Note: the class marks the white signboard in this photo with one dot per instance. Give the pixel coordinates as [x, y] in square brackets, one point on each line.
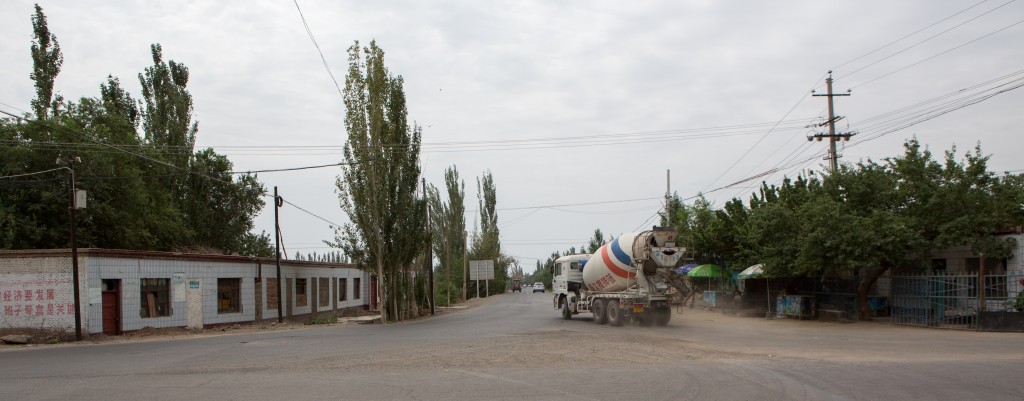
[178, 287]
[481, 270]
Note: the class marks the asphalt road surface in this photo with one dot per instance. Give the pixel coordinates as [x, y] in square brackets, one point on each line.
[516, 346]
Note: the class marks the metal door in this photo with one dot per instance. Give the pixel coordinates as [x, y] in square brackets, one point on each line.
[111, 307]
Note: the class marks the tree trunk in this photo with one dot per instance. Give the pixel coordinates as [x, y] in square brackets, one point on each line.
[381, 298]
[862, 291]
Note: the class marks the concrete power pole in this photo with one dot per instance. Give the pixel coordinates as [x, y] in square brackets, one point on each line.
[832, 136]
[668, 197]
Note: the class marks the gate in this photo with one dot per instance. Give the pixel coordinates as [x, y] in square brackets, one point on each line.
[953, 301]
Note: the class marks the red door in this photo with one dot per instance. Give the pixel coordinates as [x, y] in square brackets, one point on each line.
[112, 307]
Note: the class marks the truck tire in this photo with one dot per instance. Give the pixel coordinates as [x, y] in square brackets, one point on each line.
[614, 313]
[597, 308]
[645, 319]
[566, 313]
[661, 316]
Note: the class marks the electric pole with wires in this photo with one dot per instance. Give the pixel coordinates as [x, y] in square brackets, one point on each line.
[832, 136]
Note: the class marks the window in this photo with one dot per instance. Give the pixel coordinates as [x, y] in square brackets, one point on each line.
[355, 288]
[342, 289]
[323, 292]
[271, 293]
[155, 297]
[300, 292]
[229, 295]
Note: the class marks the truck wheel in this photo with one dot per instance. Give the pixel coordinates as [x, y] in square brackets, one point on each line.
[566, 313]
[614, 313]
[597, 308]
[662, 316]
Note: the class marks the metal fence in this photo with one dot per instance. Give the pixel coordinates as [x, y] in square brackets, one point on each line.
[953, 301]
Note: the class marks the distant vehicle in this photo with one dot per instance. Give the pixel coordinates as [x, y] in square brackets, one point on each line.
[517, 285]
[538, 287]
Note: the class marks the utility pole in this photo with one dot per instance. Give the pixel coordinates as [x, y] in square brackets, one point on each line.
[465, 266]
[832, 136]
[278, 202]
[668, 197]
[72, 205]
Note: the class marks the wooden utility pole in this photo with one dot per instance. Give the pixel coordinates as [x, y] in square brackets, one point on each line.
[278, 201]
[75, 281]
[465, 266]
[832, 136]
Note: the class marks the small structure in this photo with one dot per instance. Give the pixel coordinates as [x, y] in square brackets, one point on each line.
[123, 290]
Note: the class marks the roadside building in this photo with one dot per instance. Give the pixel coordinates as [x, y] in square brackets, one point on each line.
[121, 290]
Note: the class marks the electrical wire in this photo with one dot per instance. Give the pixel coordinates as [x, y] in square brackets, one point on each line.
[907, 36]
[322, 58]
[731, 166]
[333, 224]
[937, 55]
[35, 173]
[847, 75]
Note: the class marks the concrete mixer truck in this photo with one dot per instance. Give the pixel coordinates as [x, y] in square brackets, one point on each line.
[629, 279]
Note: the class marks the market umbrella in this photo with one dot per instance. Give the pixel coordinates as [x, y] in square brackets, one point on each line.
[752, 272]
[684, 269]
[706, 271]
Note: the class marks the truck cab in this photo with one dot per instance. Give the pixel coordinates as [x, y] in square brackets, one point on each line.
[567, 278]
[517, 285]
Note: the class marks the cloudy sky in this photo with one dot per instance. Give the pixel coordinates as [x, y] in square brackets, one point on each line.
[578, 108]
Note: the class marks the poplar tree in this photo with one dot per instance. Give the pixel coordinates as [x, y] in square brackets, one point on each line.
[377, 190]
[46, 62]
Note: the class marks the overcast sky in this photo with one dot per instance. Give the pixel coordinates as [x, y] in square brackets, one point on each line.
[565, 102]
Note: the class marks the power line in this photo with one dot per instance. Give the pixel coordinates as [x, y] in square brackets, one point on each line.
[86, 137]
[28, 174]
[938, 54]
[333, 224]
[907, 36]
[322, 58]
[798, 102]
[572, 204]
[928, 38]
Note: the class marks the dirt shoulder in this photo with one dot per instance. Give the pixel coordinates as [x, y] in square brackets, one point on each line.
[50, 338]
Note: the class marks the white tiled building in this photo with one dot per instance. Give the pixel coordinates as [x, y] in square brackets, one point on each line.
[128, 290]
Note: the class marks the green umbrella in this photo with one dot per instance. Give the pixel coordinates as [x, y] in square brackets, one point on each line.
[706, 271]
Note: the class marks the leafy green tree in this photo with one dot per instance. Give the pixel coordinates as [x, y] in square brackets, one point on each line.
[448, 232]
[596, 241]
[376, 191]
[486, 244]
[134, 203]
[167, 123]
[219, 208]
[46, 62]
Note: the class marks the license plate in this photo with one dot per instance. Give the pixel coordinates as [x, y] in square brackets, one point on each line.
[638, 309]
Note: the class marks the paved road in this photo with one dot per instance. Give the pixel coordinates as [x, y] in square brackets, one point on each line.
[515, 346]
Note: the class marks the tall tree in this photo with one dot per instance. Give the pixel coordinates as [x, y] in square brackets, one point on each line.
[487, 242]
[46, 62]
[448, 226]
[168, 124]
[596, 241]
[377, 190]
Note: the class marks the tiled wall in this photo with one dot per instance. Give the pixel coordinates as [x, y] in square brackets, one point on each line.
[37, 293]
[50, 278]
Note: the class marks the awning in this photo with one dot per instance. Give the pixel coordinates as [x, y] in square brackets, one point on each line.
[706, 271]
[752, 272]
